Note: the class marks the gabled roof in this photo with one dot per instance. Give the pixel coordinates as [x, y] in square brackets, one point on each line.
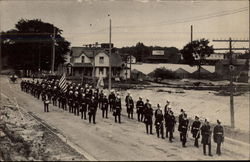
[78, 51]
[202, 70]
[181, 70]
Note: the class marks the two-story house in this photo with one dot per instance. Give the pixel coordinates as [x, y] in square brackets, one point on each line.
[86, 61]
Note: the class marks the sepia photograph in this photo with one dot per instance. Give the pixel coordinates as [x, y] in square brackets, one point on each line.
[124, 80]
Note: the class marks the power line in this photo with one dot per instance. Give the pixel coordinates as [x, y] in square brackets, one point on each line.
[196, 18]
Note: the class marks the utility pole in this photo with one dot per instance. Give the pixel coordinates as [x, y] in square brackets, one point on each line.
[130, 67]
[53, 53]
[231, 68]
[110, 54]
[191, 33]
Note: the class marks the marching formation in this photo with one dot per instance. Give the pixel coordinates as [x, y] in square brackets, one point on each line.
[84, 100]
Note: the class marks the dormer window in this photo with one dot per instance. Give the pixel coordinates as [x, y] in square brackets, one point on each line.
[101, 60]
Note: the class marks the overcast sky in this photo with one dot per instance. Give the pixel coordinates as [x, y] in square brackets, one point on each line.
[153, 22]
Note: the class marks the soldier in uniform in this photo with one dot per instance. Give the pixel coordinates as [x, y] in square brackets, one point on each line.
[54, 96]
[112, 99]
[100, 99]
[167, 117]
[195, 130]
[84, 106]
[104, 105]
[148, 120]
[159, 121]
[183, 130]
[46, 102]
[180, 118]
[117, 109]
[218, 136]
[206, 137]
[139, 107]
[170, 124]
[130, 105]
[76, 103]
[92, 109]
[70, 101]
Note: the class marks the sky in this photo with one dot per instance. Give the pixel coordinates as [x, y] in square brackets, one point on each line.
[153, 22]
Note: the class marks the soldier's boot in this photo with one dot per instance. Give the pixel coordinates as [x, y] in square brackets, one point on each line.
[204, 149]
[147, 128]
[119, 119]
[115, 119]
[209, 149]
[166, 133]
[132, 115]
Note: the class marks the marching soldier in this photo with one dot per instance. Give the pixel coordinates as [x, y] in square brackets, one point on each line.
[84, 106]
[46, 102]
[183, 130]
[117, 109]
[139, 107]
[100, 99]
[130, 105]
[54, 96]
[167, 118]
[170, 124]
[195, 130]
[148, 120]
[181, 116]
[92, 109]
[70, 101]
[112, 99]
[64, 100]
[159, 121]
[218, 136]
[76, 103]
[104, 106]
[206, 137]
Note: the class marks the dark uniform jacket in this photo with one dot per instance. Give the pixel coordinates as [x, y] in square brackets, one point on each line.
[158, 117]
[105, 103]
[118, 107]
[129, 102]
[195, 129]
[184, 125]
[148, 115]
[218, 134]
[139, 106]
[206, 134]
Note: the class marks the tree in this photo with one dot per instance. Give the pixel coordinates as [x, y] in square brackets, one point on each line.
[29, 45]
[194, 53]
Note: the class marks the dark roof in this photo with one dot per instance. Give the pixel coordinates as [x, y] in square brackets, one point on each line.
[77, 51]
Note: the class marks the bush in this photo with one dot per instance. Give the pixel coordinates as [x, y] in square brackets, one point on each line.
[163, 73]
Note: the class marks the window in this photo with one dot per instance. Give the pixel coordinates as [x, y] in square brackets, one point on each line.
[82, 59]
[101, 60]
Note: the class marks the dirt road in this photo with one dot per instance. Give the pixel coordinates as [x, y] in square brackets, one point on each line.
[108, 140]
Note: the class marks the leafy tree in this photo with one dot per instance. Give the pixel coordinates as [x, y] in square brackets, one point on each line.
[195, 52]
[29, 45]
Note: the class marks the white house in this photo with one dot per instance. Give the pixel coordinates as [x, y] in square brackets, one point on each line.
[85, 61]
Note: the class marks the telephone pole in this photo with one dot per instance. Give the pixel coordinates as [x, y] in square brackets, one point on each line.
[231, 68]
[191, 33]
[110, 54]
[53, 53]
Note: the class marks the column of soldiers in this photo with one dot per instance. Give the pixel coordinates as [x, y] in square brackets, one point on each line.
[86, 100]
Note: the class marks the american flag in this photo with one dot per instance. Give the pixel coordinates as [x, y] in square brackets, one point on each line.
[62, 83]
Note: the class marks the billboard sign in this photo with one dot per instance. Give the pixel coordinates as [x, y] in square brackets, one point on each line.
[158, 52]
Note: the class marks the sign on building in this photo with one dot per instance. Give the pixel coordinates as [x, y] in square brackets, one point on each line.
[158, 52]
